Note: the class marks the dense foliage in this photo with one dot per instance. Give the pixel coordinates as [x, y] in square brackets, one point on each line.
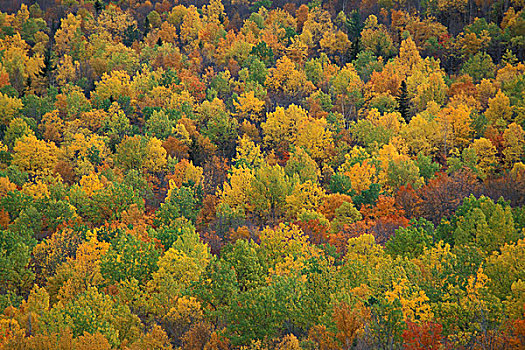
[258, 175]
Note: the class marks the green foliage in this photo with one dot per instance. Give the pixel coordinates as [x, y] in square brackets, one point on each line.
[15, 254]
[481, 222]
[479, 66]
[175, 195]
[129, 257]
[411, 241]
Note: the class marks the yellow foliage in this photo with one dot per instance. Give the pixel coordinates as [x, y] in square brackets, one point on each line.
[177, 270]
[90, 184]
[248, 154]
[81, 272]
[155, 156]
[17, 60]
[486, 153]
[9, 107]
[35, 156]
[408, 55]
[420, 135]
[314, 136]
[499, 110]
[364, 249]
[6, 186]
[235, 191]
[454, 127]
[67, 71]
[286, 248]
[187, 310]
[285, 77]
[306, 195]
[115, 84]
[36, 189]
[185, 172]
[514, 141]
[281, 126]
[248, 106]
[415, 303]
[390, 152]
[361, 175]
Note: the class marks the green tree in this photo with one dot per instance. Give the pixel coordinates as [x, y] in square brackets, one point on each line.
[411, 241]
[129, 257]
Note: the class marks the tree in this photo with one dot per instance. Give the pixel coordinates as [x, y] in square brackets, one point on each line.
[129, 257]
[35, 156]
[479, 66]
[403, 102]
[486, 157]
[314, 136]
[300, 164]
[347, 87]
[426, 335]
[454, 127]
[9, 108]
[249, 107]
[307, 195]
[17, 128]
[281, 126]
[411, 241]
[375, 38]
[267, 192]
[499, 111]
[481, 221]
[286, 78]
[14, 261]
[514, 142]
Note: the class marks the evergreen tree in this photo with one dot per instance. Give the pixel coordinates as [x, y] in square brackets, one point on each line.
[403, 102]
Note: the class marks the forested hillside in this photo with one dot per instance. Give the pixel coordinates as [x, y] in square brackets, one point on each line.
[262, 175]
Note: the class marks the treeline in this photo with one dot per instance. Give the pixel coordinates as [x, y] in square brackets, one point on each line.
[258, 175]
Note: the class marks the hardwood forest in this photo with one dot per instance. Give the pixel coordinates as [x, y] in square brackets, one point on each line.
[258, 175]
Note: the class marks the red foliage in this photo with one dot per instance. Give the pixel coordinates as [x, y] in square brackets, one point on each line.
[440, 197]
[317, 233]
[422, 336]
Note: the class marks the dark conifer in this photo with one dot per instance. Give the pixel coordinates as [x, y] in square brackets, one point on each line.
[403, 102]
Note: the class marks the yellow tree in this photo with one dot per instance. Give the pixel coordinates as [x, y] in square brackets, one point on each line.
[347, 87]
[18, 62]
[375, 38]
[499, 111]
[181, 264]
[285, 248]
[409, 56]
[306, 195]
[286, 78]
[185, 172]
[249, 107]
[69, 38]
[35, 156]
[235, 192]
[249, 154]
[281, 126]
[314, 136]
[113, 85]
[52, 126]
[77, 274]
[454, 127]
[426, 84]
[514, 141]
[420, 135]
[9, 108]
[361, 175]
[155, 156]
[486, 156]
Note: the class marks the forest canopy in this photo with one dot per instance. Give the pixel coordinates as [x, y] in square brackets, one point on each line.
[262, 175]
